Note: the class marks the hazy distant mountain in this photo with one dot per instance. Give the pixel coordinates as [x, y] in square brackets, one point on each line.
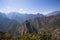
[7, 24]
[22, 17]
[53, 13]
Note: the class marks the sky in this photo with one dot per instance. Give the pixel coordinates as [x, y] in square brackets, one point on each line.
[29, 6]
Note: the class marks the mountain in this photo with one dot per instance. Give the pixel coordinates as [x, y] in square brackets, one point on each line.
[53, 13]
[10, 23]
[22, 17]
[7, 24]
[53, 20]
[16, 16]
[16, 23]
[32, 26]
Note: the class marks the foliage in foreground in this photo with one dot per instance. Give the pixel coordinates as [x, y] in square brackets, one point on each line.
[42, 34]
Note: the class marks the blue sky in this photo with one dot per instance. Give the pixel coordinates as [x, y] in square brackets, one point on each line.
[29, 6]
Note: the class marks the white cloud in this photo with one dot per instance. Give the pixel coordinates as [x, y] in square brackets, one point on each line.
[21, 11]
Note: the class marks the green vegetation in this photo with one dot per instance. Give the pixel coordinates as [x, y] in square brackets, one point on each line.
[43, 34]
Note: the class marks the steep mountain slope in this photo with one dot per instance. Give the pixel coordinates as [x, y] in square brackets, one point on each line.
[54, 20]
[7, 24]
[32, 26]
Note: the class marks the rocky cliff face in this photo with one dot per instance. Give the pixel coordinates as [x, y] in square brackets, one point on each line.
[32, 26]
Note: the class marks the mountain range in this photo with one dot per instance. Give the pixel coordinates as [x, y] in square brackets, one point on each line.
[16, 23]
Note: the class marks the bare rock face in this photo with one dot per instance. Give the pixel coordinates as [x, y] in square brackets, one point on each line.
[31, 26]
[22, 29]
[25, 27]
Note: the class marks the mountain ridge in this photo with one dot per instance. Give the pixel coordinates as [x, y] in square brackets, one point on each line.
[31, 24]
